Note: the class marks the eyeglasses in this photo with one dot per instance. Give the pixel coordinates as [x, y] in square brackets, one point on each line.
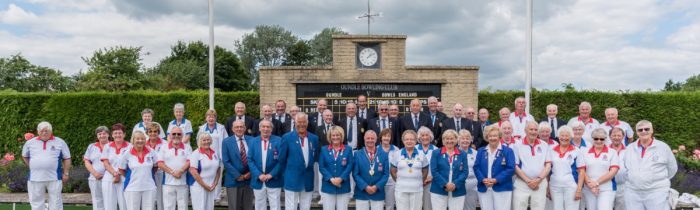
[643, 129]
[598, 139]
[470, 112]
[176, 134]
[383, 109]
[153, 131]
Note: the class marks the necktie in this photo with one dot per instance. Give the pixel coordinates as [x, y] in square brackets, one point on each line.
[244, 156]
[350, 130]
[362, 114]
[415, 121]
[293, 126]
[328, 127]
[459, 127]
[383, 124]
[554, 129]
[432, 117]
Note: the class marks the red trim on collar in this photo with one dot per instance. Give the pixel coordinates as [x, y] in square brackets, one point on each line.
[118, 148]
[551, 141]
[590, 120]
[209, 153]
[532, 148]
[157, 143]
[592, 150]
[142, 157]
[644, 149]
[444, 150]
[98, 145]
[617, 122]
[619, 149]
[537, 141]
[180, 146]
[513, 140]
[557, 149]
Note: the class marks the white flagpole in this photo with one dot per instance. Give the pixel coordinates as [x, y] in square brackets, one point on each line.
[211, 55]
[528, 64]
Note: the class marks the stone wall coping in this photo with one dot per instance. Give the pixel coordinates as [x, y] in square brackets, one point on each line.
[369, 81]
[441, 67]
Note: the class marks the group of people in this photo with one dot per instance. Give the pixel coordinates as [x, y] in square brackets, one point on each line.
[421, 160]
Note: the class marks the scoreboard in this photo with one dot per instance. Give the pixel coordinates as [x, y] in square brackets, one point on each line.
[339, 94]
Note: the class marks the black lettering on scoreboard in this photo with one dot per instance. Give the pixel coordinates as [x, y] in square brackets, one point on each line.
[337, 95]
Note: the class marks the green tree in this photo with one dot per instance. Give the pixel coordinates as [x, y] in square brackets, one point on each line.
[113, 69]
[266, 45]
[17, 73]
[322, 46]
[299, 54]
[692, 83]
[672, 86]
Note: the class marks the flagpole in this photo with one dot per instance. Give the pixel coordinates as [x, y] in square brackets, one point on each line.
[211, 55]
[528, 62]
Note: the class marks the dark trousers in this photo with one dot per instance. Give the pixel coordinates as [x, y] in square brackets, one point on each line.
[240, 198]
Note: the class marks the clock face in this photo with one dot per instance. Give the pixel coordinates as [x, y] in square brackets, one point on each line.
[368, 57]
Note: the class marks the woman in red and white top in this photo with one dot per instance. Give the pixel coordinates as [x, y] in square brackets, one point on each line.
[204, 167]
[155, 143]
[137, 167]
[97, 170]
[568, 172]
[112, 181]
[508, 139]
[601, 166]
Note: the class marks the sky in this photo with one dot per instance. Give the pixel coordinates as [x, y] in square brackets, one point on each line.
[634, 45]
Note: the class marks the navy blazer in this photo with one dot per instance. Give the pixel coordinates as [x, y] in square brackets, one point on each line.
[359, 128]
[277, 129]
[360, 174]
[502, 169]
[440, 168]
[272, 165]
[231, 156]
[298, 175]
[393, 123]
[249, 123]
[330, 167]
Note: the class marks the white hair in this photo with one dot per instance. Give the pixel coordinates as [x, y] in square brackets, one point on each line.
[544, 125]
[585, 103]
[554, 106]
[427, 130]
[576, 124]
[432, 98]
[643, 122]
[565, 129]
[201, 136]
[179, 106]
[44, 125]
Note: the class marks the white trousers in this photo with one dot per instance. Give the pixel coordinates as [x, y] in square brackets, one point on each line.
[523, 196]
[201, 198]
[492, 200]
[301, 199]
[113, 195]
[37, 194]
[369, 204]
[471, 199]
[389, 197]
[409, 200]
[647, 200]
[563, 198]
[443, 202]
[335, 201]
[98, 202]
[427, 205]
[142, 200]
[158, 193]
[604, 201]
[620, 197]
[262, 196]
[175, 196]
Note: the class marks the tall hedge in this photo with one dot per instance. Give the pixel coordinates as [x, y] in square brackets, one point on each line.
[74, 116]
[675, 115]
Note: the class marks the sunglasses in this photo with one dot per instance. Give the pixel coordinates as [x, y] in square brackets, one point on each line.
[598, 139]
[643, 129]
[383, 109]
[176, 134]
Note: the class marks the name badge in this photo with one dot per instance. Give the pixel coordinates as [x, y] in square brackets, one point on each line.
[503, 162]
[344, 162]
[380, 168]
[275, 155]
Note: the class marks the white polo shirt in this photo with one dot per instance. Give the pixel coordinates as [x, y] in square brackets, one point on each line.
[621, 176]
[45, 158]
[140, 127]
[471, 159]
[564, 166]
[113, 153]
[139, 170]
[598, 165]
[519, 122]
[651, 168]
[622, 124]
[409, 177]
[184, 124]
[175, 157]
[427, 153]
[205, 161]
[94, 155]
[588, 126]
[531, 159]
[218, 134]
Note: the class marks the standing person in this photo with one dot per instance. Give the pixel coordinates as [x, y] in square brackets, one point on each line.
[95, 167]
[205, 169]
[435, 119]
[335, 165]
[268, 114]
[449, 167]
[315, 118]
[568, 172]
[503, 115]
[650, 166]
[173, 161]
[388, 147]
[182, 122]
[519, 117]
[413, 120]
[465, 144]
[248, 121]
[554, 122]
[494, 168]
[363, 110]
[578, 140]
[371, 173]
[484, 118]
[584, 116]
[265, 168]
[155, 143]
[532, 167]
[235, 160]
[425, 146]
[617, 136]
[326, 125]
[298, 152]
[612, 121]
[383, 121]
[508, 139]
[409, 168]
[137, 166]
[601, 166]
[281, 116]
[394, 111]
[544, 130]
[353, 126]
[147, 116]
[47, 156]
[216, 130]
[112, 182]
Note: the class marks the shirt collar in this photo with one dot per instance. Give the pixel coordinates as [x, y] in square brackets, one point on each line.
[522, 114]
[444, 150]
[342, 147]
[604, 150]
[208, 152]
[141, 157]
[206, 127]
[179, 146]
[174, 122]
[590, 119]
[617, 122]
[639, 143]
[537, 141]
[557, 149]
[51, 138]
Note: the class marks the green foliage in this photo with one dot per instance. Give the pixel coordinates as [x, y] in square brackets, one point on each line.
[266, 45]
[75, 116]
[113, 69]
[690, 84]
[672, 86]
[322, 46]
[299, 54]
[673, 114]
[17, 73]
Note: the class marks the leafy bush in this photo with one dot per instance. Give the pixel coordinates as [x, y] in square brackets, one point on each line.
[13, 176]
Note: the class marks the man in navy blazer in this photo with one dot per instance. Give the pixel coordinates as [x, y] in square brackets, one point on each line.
[315, 118]
[281, 115]
[408, 121]
[384, 121]
[322, 130]
[353, 126]
[248, 121]
[265, 169]
[298, 153]
[235, 158]
[267, 114]
[554, 121]
[363, 110]
[435, 119]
